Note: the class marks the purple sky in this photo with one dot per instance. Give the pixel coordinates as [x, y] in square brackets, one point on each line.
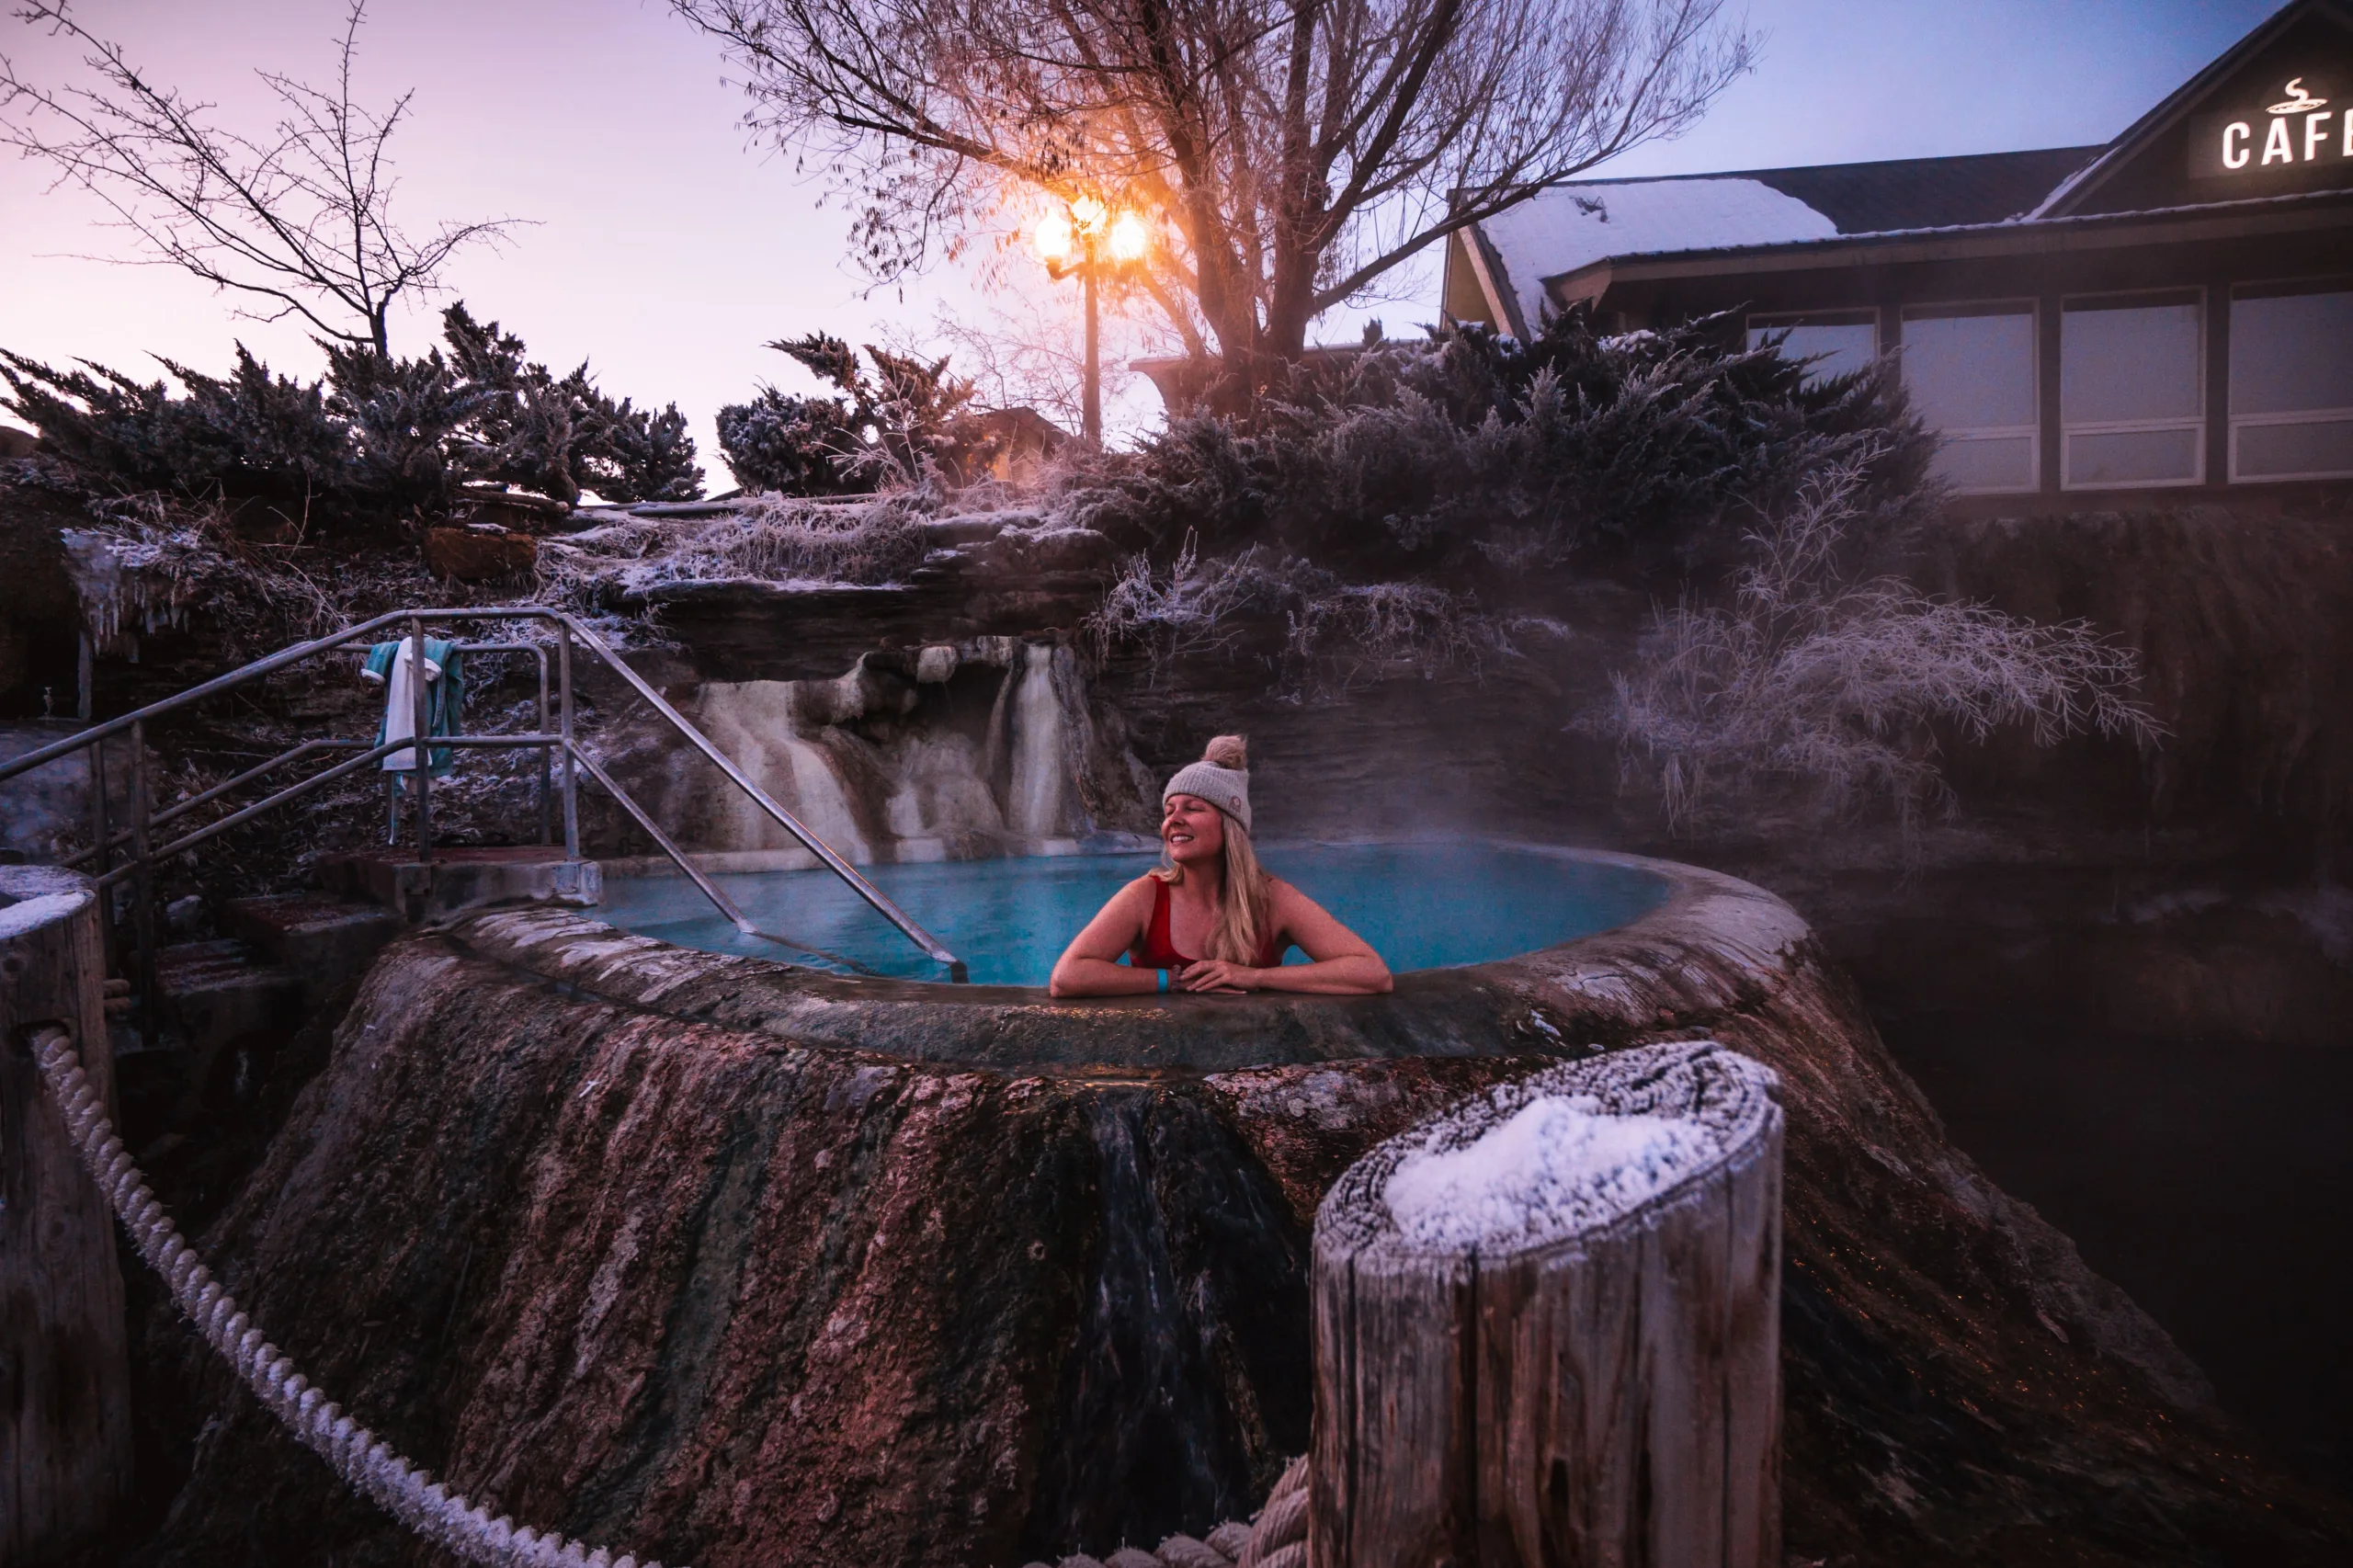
[667, 249]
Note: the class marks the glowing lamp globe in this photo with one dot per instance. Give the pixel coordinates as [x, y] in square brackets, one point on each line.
[1053, 238]
[1129, 239]
[1089, 214]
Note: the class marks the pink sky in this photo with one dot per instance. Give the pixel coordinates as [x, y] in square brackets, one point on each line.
[667, 249]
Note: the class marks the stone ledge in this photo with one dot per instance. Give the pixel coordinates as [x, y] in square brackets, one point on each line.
[457, 881]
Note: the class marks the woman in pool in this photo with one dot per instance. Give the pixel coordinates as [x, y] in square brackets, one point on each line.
[1211, 897]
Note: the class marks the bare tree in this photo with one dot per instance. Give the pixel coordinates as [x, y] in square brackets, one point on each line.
[1028, 352]
[1294, 150]
[296, 223]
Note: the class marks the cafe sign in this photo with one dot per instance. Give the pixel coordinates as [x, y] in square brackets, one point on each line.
[2302, 128]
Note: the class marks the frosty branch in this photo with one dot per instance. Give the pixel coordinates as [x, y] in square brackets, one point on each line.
[1296, 151]
[1812, 676]
[298, 223]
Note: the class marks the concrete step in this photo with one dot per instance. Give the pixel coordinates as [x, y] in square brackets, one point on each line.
[222, 989]
[323, 939]
[459, 879]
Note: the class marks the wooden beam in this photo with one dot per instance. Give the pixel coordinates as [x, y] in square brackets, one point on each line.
[64, 1373]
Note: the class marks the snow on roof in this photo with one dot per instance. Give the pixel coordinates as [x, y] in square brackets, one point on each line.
[1572, 226]
[1560, 1161]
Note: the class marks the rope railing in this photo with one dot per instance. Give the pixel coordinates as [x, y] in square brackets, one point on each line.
[1275, 1538]
[403, 1490]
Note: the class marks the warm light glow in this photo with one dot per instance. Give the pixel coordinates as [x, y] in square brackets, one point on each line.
[1129, 238]
[1053, 238]
[1088, 214]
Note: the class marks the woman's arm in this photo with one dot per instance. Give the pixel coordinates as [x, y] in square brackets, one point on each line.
[1341, 963]
[1090, 966]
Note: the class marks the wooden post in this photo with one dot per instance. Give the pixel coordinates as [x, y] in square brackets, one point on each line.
[1599, 1387]
[64, 1374]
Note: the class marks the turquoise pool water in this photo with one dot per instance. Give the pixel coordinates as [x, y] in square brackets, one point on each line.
[1421, 906]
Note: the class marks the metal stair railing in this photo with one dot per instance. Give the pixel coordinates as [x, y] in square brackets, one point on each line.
[143, 853]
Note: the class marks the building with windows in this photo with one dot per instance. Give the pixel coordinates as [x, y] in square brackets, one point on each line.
[2172, 312]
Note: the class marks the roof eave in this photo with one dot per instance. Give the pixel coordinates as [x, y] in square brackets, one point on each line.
[2271, 214]
[2072, 192]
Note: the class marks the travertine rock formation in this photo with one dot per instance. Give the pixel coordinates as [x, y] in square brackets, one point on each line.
[735, 1264]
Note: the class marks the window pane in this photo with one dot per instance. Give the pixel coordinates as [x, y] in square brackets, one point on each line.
[1836, 348]
[2291, 352]
[1970, 373]
[1999, 463]
[2279, 451]
[2138, 362]
[2132, 457]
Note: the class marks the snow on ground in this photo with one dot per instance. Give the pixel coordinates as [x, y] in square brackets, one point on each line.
[1558, 1163]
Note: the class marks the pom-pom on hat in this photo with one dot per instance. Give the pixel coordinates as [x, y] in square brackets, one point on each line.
[1222, 777]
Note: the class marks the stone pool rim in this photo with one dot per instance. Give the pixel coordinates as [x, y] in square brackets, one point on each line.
[1712, 943]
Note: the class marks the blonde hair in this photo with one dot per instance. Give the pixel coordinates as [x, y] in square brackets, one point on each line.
[1245, 908]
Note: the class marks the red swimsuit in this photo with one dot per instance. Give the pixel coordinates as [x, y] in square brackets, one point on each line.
[1158, 949]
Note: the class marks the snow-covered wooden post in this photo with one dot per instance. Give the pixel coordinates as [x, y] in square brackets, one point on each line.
[1547, 1326]
[64, 1374]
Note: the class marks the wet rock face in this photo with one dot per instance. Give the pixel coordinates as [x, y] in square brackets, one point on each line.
[990, 745]
[658, 1249]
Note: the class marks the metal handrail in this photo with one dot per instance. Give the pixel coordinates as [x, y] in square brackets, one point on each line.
[568, 629]
[307, 748]
[711, 889]
[226, 786]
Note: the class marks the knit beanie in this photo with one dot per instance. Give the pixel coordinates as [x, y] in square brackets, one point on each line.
[1222, 777]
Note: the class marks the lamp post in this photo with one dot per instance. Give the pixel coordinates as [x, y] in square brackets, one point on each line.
[1087, 237]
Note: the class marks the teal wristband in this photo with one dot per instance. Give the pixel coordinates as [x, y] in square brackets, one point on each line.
[1163, 981]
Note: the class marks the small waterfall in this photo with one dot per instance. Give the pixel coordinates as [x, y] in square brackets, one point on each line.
[1038, 800]
[758, 723]
[901, 760]
[819, 801]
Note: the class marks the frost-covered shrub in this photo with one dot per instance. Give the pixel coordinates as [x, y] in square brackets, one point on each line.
[790, 445]
[1817, 676]
[909, 423]
[1473, 449]
[377, 435]
[644, 456]
[560, 435]
[407, 419]
[251, 432]
[1411, 476]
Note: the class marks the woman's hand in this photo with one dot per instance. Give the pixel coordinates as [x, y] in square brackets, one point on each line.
[1216, 974]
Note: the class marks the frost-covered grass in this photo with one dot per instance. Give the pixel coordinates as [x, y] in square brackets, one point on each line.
[1815, 676]
[1337, 631]
[772, 538]
[147, 561]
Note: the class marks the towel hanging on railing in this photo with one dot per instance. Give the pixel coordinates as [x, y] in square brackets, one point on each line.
[445, 696]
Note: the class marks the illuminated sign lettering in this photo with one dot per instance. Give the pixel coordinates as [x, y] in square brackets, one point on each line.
[2299, 129]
